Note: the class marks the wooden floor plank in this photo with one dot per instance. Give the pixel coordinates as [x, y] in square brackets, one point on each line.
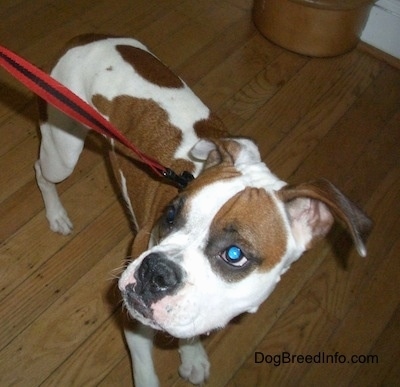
[376, 314]
[68, 324]
[305, 137]
[26, 202]
[221, 47]
[17, 126]
[20, 167]
[356, 131]
[194, 35]
[300, 331]
[388, 349]
[52, 279]
[256, 93]
[45, 19]
[235, 71]
[296, 103]
[36, 233]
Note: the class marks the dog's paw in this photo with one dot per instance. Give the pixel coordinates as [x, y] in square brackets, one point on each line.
[195, 366]
[59, 222]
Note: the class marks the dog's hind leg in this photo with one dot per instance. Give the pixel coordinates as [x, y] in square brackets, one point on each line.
[195, 366]
[140, 344]
[62, 143]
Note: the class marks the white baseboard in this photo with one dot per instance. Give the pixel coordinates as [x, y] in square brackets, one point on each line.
[383, 27]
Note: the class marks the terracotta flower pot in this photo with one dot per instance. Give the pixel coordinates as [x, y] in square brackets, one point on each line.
[312, 27]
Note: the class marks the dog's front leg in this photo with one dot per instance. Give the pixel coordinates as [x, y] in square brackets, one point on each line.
[140, 344]
[61, 145]
[195, 366]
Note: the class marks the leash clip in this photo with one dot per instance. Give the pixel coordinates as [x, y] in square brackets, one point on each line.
[181, 180]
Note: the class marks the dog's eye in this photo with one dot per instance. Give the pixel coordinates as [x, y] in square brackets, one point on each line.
[170, 215]
[234, 256]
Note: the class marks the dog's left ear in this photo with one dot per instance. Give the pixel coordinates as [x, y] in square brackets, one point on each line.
[312, 207]
[231, 151]
[141, 241]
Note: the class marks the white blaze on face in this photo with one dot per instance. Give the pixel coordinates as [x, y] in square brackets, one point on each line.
[209, 300]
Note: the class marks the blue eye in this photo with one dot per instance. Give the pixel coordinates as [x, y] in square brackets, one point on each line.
[170, 215]
[234, 253]
[234, 256]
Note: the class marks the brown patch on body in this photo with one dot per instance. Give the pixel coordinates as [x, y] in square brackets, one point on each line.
[145, 121]
[147, 125]
[149, 67]
[252, 221]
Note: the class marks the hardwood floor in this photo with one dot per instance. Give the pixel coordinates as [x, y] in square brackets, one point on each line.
[337, 118]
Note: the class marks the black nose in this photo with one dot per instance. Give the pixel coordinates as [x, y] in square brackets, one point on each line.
[157, 277]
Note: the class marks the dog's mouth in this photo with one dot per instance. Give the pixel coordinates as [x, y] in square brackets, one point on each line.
[135, 303]
[159, 315]
[140, 307]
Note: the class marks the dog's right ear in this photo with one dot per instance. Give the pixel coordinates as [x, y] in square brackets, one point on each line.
[312, 208]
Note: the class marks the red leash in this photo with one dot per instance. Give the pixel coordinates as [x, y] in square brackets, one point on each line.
[69, 103]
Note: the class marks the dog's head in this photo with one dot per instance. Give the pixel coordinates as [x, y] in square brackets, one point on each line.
[223, 243]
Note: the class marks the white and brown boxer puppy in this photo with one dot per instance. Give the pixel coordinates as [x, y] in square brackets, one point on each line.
[210, 252]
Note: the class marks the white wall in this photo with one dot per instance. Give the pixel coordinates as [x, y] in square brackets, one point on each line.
[383, 27]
